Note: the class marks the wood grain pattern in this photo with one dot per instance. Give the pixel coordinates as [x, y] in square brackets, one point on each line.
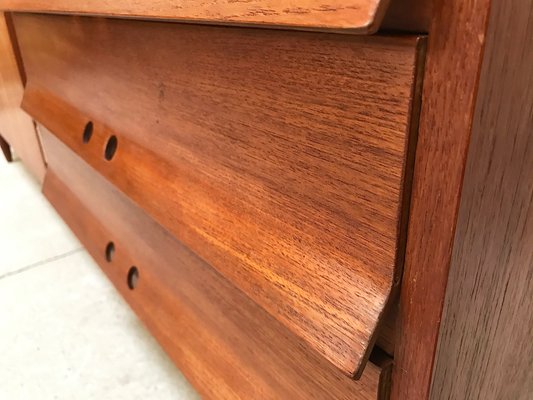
[354, 16]
[16, 127]
[454, 54]
[286, 176]
[226, 345]
[487, 323]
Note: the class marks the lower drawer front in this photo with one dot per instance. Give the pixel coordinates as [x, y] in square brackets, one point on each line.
[226, 345]
[278, 157]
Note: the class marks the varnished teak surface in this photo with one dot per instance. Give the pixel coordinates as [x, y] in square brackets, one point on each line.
[277, 157]
[455, 49]
[359, 16]
[226, 345]
[488, 318]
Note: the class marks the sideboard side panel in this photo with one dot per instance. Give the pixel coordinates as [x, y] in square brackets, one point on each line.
[454, 54]
[485, 347]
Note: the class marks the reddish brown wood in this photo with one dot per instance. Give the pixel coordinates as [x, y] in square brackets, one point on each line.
[355, 16]
[278, 157]
[388, 332]
[16, 127]
[408, 15]
[225, 344]
[455, 48]
[488, 319]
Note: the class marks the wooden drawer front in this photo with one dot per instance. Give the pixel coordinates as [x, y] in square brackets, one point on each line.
[352, 16]
[277, 157]
[227, 346]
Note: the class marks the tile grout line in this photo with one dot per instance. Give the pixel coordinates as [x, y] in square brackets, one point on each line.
[38, 263]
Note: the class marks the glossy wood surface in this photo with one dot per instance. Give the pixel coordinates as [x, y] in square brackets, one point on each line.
[355, 16]
[454, 55]
[226, 345]
[278, 157]
[488, 319]
[16, 127]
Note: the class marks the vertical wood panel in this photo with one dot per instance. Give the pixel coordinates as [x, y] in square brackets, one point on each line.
[486, 340]
[454, 53]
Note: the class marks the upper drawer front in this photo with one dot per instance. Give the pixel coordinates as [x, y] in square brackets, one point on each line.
[277, 157]
[354, 16]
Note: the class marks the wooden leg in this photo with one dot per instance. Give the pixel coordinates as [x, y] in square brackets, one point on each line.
[6, 149]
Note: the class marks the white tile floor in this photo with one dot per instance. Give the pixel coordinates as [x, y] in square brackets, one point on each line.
[65, 333]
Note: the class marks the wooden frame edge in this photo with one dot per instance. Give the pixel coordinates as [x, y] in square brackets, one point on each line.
[454, 57]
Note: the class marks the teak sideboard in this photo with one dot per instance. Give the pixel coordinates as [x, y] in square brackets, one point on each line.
[300, 199]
